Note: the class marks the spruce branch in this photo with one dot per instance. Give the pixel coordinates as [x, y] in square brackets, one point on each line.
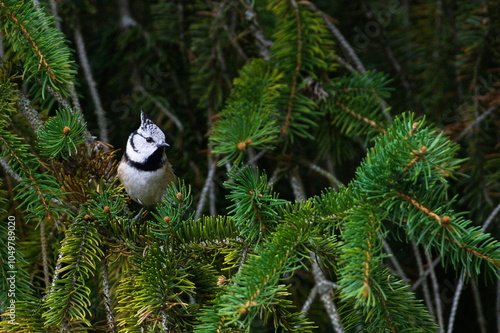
[449, 227]
[352, 101]
[14, 17]
[158, 285]
[256, 291]
[44, 186]
[300, 57]
[44, 51]
[249, 118]
[351, 54]
[341, 39]
[392, 58]
[255, 205]
[76, 109]
[358, 116]
[62, 135]
[298, 67]
[69, 300]
[324, 288]
[460, 285]
[497, 304]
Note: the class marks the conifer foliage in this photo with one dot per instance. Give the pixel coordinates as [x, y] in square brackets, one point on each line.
[307, 193]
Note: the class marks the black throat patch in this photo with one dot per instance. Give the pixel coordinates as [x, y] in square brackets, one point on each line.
[154, 162]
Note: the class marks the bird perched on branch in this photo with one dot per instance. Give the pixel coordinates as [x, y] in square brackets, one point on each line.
[144, 169]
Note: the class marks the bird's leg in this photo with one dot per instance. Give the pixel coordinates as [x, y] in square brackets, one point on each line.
[136, 218]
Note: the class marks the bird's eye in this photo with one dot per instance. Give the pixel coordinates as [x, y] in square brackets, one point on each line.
[149, 139]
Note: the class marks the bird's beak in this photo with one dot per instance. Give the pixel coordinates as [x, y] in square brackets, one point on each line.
[164, 144]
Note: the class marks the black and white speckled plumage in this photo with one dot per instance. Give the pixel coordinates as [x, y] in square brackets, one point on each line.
[144, 169]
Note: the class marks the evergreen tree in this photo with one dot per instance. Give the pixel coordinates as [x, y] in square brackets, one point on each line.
[337, 163]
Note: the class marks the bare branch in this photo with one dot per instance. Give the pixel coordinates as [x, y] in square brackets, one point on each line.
[212, 166]
[102, 122]
[24, 105]
[325, 292]
[107, 296]
[437, 298]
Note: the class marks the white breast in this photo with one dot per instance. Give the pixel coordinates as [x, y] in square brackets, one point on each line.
[145, 187]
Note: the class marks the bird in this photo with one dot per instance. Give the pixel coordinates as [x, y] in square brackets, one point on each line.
[144, 169]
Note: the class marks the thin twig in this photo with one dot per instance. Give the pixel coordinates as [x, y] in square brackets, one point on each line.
[55, 277]
[164, 321]
[45, 260]
[54, 93]
[422, 279]
[126, 19]
[243, 259]
[437, 298]
[297, 184]
[392, 58]
[76, 102]
[310, 299]
[212, 165]
[260, 40]
[490, 218]
[8, 169]
[255, 157]
[481, 320]
[234, 42]
[55, 14]
[459, 288]
[102, 122]
[346, 65]
[456, 299]
[349, 51]
[325, 292]
[274, 177]
[24, 105]
[328, 175]
[394, 260]
[139, 87]
[212, 199]
[107, 296]
[475, 122]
